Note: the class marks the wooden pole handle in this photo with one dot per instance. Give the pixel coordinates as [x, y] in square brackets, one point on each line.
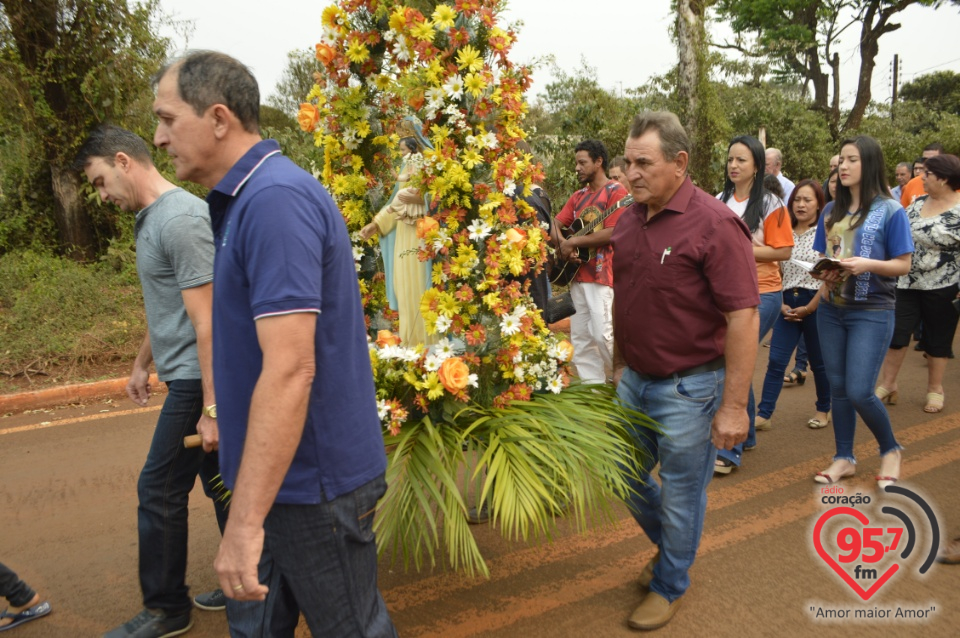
[194, 440]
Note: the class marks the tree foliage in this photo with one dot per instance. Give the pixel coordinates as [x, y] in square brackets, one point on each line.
[66, 66]
[800, 37]
[295, 82]
[939, 91]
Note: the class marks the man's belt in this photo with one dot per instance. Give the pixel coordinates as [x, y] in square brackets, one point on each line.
[710, 366]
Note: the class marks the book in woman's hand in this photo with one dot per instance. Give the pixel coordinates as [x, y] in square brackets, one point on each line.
[821, 266]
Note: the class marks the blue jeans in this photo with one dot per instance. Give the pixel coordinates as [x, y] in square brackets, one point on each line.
[853, 342]
[324, 564]
[800, 363]
[786, 334]
[671, 514]
[768, 310]
[168, 476]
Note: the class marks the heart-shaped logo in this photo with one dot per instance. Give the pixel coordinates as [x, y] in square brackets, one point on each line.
[865, 594]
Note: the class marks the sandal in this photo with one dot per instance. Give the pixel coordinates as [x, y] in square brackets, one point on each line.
[37, 611]
[934, 403]
[891, 396]
[723, 466]
[816, 424]
[796, 376]
[891, 477]
[826, 478]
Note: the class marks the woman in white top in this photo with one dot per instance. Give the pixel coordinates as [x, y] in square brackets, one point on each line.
[797, 317]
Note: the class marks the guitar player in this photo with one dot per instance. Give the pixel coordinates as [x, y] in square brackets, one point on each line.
[591, 328]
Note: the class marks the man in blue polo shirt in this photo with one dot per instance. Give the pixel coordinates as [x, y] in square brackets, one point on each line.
[300, 440]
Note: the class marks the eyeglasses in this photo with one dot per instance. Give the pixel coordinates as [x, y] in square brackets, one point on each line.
[928, 172]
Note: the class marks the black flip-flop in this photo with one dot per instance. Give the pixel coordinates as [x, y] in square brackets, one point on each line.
[37, 611]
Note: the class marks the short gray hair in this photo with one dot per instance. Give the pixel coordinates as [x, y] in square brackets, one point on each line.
[673, 137]
[777, 155]
[906, 165]
[205, 78]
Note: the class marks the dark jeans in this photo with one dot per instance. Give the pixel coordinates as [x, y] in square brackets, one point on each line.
[168, 476]
[934, 308]
[800, 363]
[324, 564]
[786, 334]
[17, 592]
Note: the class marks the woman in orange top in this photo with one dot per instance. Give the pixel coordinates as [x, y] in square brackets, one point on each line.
[768, 221]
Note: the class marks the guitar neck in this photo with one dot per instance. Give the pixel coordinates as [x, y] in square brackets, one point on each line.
[586, 230]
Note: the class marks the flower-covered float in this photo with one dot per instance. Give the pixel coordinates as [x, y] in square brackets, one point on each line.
[419, 110]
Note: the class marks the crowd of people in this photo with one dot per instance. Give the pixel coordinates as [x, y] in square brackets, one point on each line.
[831, 268]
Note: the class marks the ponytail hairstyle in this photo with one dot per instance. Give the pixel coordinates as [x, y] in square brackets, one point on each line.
[755, 205]
[873, 182]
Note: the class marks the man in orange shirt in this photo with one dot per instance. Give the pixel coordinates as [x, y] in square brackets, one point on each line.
[914, 188]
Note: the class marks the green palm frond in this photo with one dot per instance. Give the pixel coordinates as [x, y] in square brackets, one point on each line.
[529, 461]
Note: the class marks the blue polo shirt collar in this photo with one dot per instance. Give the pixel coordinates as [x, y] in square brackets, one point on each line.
[246, 166]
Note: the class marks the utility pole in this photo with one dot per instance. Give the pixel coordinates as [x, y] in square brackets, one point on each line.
[896, 76]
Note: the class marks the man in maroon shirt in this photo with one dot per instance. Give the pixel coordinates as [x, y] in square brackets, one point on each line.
[685, 344]
[591, 328]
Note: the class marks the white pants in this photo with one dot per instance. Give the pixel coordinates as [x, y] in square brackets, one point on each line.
[591, 331]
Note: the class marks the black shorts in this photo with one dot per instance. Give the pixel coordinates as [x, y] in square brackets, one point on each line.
[939, 316]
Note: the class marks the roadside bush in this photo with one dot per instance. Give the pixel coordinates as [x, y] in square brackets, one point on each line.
[54, 311]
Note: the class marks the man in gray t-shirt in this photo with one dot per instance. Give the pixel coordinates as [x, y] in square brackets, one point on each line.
[175, 264]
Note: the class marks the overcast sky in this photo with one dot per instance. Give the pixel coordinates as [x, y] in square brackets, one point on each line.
[627, 42]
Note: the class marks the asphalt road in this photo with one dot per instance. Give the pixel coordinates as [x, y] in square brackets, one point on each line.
[68, 526]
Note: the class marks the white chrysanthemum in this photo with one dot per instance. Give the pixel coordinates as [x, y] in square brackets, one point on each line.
[357, 253]
[354, 82]
[490, 140]
[474, 380]
[383, 410]
[443, 349]
[519, 373]
[443, 238]
[436, 94]
[442, 324]
[454, 87]
[432, 363]
[555, 385]
[509, 325]
[408, 355]
[509, 188]
[479, 229]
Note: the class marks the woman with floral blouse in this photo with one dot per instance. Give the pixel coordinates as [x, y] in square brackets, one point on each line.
[926, 293]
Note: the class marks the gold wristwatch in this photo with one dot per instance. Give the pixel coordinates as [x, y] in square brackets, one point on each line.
[210, 411]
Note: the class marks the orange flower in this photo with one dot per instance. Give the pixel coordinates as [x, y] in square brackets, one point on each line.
[325, 53]
[308, 117]
[565, 348]
[517, 236]
[387, 338]
[425, 225]
[454, 374]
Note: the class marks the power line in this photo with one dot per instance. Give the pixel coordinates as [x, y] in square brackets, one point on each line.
[935, 66]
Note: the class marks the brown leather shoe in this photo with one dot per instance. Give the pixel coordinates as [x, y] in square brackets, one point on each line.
[654, 612]
[646, 576]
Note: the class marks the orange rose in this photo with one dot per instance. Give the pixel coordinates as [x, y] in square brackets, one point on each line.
[454, 374]
[308, 117]
[387, 338]
[565, 348]
[325, 53]
[517, 236]
[425, 225]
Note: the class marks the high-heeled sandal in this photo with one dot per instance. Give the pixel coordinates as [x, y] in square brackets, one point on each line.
[796, 376]
[934, 403]
[826, 479]
[886, 396]
[891, 477]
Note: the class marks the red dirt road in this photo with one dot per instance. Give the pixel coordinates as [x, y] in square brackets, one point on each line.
[68, 526]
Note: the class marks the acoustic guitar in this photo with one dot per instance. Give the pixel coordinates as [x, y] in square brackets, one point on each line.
[563, 271]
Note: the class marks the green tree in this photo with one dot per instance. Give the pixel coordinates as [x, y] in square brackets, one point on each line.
[65, 66]
[801, 36]
[295, 82]
[574, 107]
[939, 91]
